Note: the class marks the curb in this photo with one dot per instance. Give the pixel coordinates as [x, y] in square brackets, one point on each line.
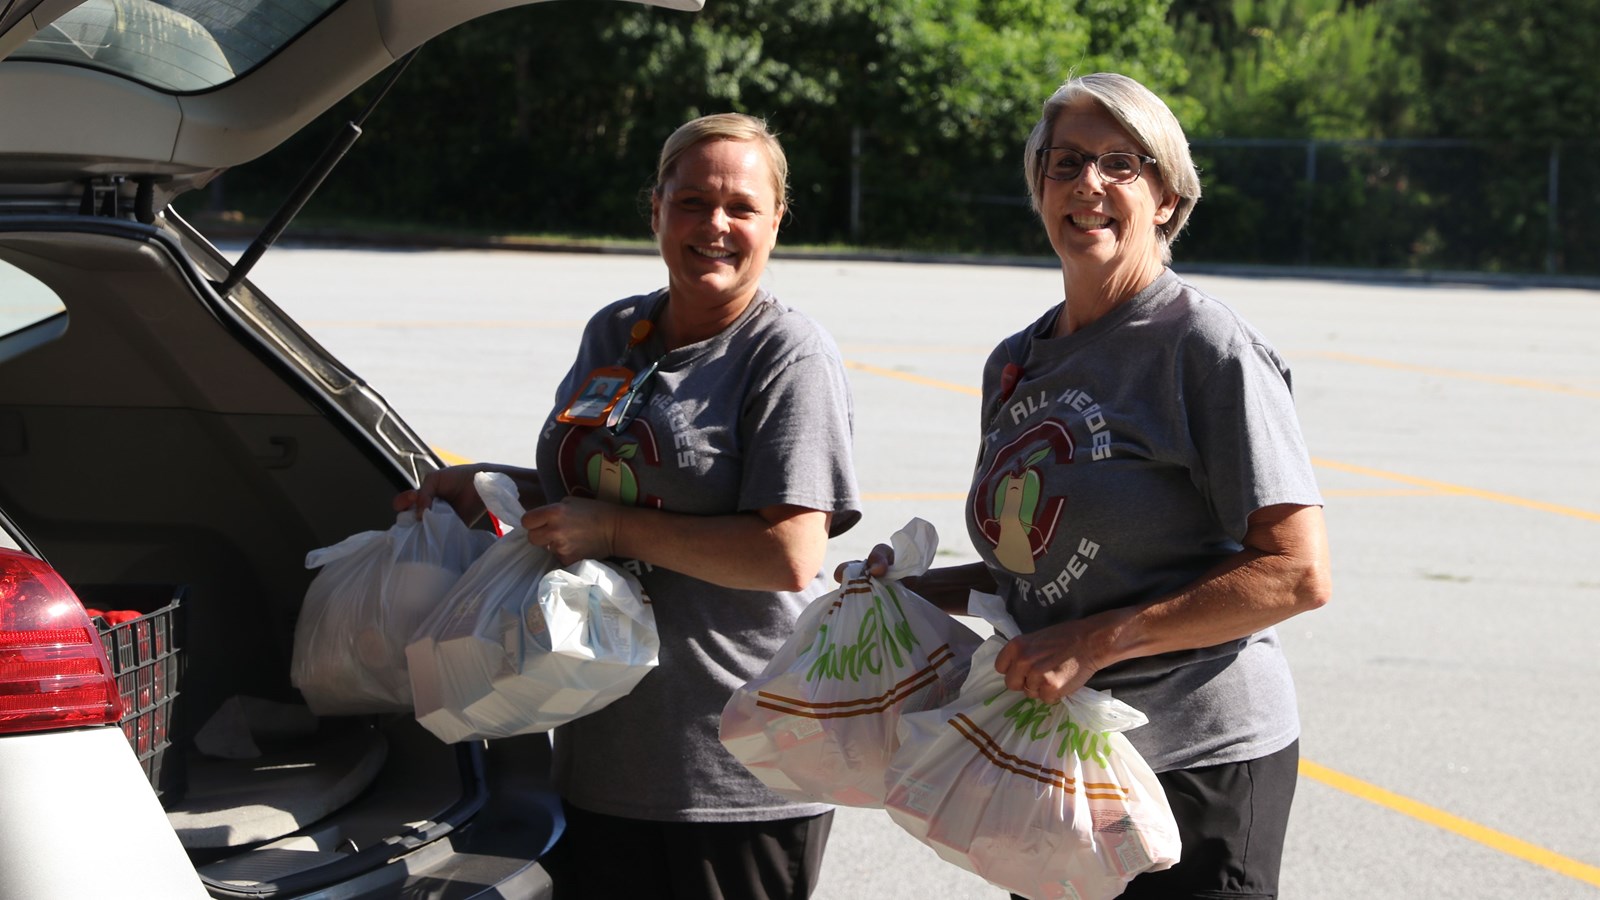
[335, 237]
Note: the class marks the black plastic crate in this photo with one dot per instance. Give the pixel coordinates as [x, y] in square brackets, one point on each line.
[145, 658]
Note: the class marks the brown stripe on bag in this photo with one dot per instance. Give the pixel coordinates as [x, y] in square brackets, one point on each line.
[940, 655]
[849, 590]
[885, 703]
[991, 751]
[1097, 790]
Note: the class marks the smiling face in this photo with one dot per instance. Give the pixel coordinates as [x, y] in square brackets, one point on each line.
[716, 220]
[1109, 229]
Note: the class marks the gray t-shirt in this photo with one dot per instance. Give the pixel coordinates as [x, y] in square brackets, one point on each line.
[1126, 461]
[756, 416]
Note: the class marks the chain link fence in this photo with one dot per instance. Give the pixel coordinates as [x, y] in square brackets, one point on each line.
[1439, 205]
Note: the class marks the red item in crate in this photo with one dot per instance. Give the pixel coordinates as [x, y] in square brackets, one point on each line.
[143, 653]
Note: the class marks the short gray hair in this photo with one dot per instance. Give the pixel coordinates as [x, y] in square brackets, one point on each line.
[725, 127]
[1143, 115]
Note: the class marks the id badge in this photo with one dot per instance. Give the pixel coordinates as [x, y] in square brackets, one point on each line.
[593, 401]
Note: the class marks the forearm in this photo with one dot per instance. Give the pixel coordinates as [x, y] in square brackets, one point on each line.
[1258, 587]
[1249, 593]
[948, 587]
[529, 489]
[455, 486]
[778, 549]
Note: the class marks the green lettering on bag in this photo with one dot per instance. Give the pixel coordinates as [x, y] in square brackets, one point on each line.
[1083, 742]
[902, 636]
[1030, 716]
[881, 635]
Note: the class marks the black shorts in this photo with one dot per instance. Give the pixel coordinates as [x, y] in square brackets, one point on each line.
[1232, 819]
[600, 857]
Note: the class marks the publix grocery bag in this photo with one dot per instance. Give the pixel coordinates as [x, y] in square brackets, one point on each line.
[1045, 800]
[521, 645]
[373, 590]
[819, 723]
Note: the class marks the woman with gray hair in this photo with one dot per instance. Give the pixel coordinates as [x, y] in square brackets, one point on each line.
[1143, 498]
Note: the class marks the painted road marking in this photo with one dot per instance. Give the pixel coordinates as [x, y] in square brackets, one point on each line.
[1472, 831]
[1441, 487]
[1381, 492]
[1507, 381]
[914, 379]
[981, 351]
[1460, 490]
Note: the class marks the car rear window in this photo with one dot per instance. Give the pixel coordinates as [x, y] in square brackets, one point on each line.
[24, 301]
[181, 46]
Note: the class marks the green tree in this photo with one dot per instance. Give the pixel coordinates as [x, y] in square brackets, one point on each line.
[948, 102]
[548, 118]
[1300, 68]
[1519, 77]
[1507, 70]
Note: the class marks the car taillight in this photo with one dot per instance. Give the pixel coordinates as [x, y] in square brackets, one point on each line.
[53, 669]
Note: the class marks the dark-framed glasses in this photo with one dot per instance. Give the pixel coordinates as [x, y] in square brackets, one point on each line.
[627, 407]
[1066, 164]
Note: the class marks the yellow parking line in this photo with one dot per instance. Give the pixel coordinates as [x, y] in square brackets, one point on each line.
[450, 459]
[1460, 490]
[914, 379]
[1472, 831]
[1529, 383]
[1428, 484]
[1381, 492]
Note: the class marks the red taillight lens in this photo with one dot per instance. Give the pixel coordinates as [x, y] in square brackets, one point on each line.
[53, 669]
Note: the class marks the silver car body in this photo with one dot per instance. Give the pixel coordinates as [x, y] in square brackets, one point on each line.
[154, 429]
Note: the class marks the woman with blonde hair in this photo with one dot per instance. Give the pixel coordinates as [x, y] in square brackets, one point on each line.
[702, 440]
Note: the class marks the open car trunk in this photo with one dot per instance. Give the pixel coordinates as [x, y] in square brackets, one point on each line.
[158, 441]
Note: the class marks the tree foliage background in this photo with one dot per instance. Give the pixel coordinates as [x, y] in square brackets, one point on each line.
[1432, 125]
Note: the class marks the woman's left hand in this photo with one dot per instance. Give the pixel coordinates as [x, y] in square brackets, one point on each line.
[1050, 663]
[574, 529]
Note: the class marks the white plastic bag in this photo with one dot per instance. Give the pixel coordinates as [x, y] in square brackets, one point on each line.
[520, 646]
[819, 723]
[374, 589]
[1045, 800]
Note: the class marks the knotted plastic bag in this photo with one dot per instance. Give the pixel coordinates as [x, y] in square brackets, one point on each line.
[1045, 800]
[373, 590]
[520, 645]
[819, 723]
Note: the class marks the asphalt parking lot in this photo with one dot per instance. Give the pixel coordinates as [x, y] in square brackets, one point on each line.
[1446, 692]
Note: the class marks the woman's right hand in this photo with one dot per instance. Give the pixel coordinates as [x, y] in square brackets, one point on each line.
[876, 564]
[453, 485]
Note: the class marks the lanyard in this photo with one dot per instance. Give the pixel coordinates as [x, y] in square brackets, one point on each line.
[610, 394]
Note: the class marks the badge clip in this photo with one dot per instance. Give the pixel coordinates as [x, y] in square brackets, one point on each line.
[599, 393]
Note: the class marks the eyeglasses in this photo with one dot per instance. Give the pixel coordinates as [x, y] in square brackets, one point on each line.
[1063, 164]
[627, 407]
